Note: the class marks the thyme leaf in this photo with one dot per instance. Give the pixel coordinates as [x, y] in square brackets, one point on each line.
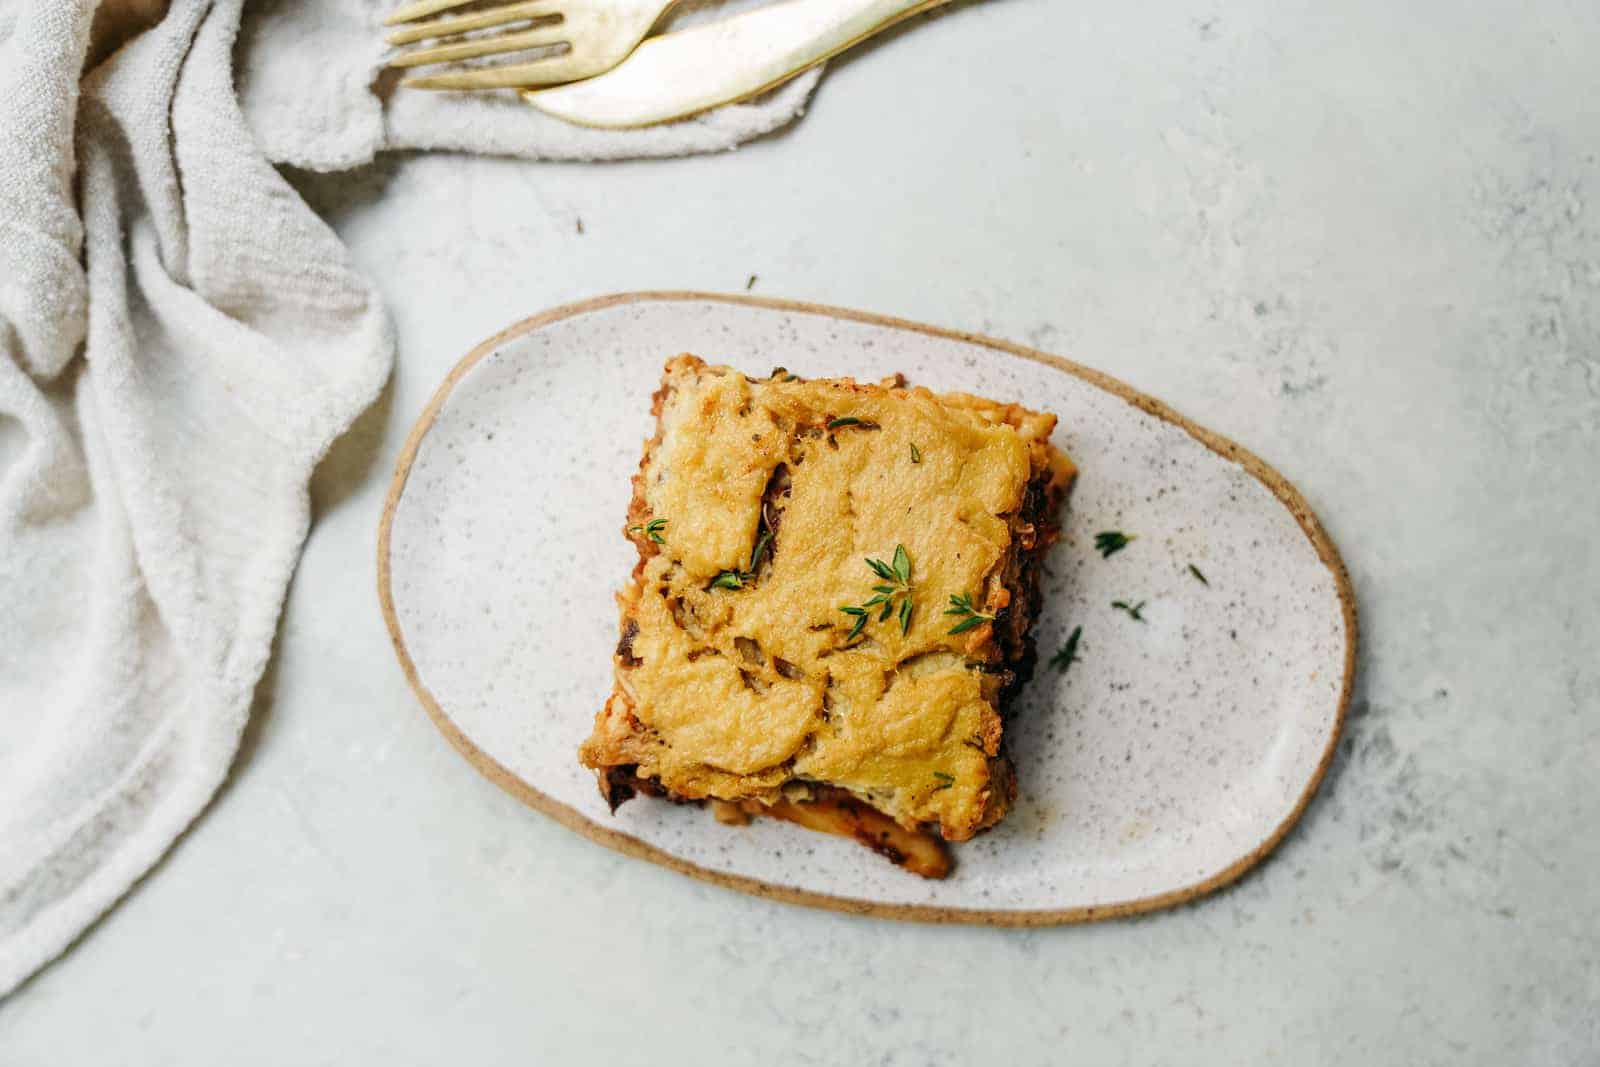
[1109, 542]
[1132, 609]
[1067, 654]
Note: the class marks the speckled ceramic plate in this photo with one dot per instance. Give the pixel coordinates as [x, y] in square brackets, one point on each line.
[1166, 762]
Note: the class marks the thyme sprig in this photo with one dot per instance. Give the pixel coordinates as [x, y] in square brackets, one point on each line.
[892, 596]
[736, 579]
[651, 529]
[961, 605]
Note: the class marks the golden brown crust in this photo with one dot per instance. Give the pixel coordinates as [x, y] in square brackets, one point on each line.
[751, 690]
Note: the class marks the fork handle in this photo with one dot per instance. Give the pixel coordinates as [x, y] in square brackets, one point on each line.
[680, 74]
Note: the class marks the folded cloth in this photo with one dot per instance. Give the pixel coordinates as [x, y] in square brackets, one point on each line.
[178, 347]
[313, 89]
[180, 343]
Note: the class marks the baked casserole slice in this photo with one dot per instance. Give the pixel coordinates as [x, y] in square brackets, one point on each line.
[832, 602]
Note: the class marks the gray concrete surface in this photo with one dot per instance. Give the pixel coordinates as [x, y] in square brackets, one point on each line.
[1362, 239]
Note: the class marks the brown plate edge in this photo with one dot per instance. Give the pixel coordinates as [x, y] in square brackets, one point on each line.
[569, 817]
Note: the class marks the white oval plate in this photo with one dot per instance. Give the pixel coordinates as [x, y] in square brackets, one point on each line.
[1166, 762]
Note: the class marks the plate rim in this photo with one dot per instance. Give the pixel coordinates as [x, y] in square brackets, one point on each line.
[1282, 489]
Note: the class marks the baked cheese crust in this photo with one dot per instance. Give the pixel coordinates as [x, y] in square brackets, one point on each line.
[755, 510]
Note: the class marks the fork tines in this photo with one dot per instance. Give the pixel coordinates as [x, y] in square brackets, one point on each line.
[543, 11]
[573, 38]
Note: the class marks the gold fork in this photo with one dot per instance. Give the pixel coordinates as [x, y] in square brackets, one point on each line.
[598, 34]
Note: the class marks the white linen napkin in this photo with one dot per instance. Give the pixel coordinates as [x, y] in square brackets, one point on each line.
[181, 339]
